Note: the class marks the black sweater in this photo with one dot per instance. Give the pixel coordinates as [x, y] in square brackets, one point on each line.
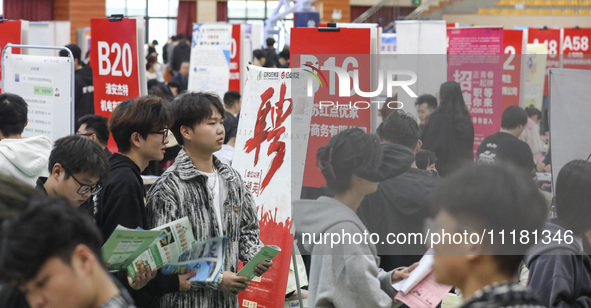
[121, 202]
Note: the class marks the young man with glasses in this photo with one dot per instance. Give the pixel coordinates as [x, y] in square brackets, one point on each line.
[140, 130]
[94, 127]
[76, 168]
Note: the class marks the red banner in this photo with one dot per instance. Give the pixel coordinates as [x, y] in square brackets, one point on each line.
[235, 59]
[575, 47]
[333, 112]
[10, 32]
[475, 62]
[115, 65]
[513, 49]
[552, 38]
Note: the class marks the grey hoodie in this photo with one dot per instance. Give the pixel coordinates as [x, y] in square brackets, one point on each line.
[25, 159]
[346, 275]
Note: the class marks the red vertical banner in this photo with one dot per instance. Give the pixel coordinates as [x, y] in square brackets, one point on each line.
[321, 54]
[235, 58]
[10, 32]
[513, 47]
[115, 64]
[575, 48]
[552, 38]
[475, 62]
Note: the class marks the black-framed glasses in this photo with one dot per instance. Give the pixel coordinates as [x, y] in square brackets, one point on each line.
[85, 134]
[85, 188]
[164, 134]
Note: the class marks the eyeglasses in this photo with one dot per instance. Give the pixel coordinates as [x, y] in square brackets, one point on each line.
[86, 134]
[85, 188]
[164, 134]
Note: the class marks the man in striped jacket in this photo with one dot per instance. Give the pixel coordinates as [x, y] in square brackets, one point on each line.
[212, 195]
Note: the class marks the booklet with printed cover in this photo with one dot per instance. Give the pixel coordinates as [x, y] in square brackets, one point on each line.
[266, 253]
[206, 258]
[124, 245]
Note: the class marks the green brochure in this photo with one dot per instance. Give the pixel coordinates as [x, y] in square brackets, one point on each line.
[266, 253]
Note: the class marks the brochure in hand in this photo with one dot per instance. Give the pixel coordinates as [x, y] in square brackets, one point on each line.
[266, 253]
[206, 257]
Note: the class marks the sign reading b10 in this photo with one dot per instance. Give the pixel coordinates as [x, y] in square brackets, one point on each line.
[115, 62]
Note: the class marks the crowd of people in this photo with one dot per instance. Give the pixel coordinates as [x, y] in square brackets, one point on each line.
[60, 202]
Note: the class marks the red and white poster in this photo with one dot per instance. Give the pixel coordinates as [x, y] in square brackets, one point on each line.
[475, 62]
[270, 148]
[575, 48]
[10, 32]
[337, 106]
[235, 58]
[552, 37]
[513, 48]
[115, 64]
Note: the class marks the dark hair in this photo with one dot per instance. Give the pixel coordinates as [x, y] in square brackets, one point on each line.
[13, 114]
[258, 54]
[98, 124]
[76, 52]
[512, 117]
[428, 99]
[532, 111]
[79, 155]
[193, 108]
[452, 104]
[230, 127]
[150, 60]
[399, 128]
[143, 115]
[49, 227]
[349, 152]
[230, 98]
[14, 196]
[425, 158]
[155, 42]
[284, 54]
[573, 196]
[180, 37]
[270, 41]
[494, 196]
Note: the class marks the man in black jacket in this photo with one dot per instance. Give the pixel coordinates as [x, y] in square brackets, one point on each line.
[140, 130]
[84, 87]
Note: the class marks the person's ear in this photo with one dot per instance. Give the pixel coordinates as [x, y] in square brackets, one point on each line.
[418, 146]
[94, 138]
[27, 122]
[83, 260]
[186, 132]
[57, 170]
[136, 139]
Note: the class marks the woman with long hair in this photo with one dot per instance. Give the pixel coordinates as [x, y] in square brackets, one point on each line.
[449, 132]
[345, 272]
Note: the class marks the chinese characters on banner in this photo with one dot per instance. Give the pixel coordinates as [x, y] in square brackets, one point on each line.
[552, 37]
[114, 59]
[270, 150]
[10, 32]
[348, 49]
[513, 49]
[575, 47]
[475, 62]
[235, 58]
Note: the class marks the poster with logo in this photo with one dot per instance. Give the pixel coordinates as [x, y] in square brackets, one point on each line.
[513, 48]
[475, 61]
[535, 72]
[116, 70]
[270, 154]
[552, 38]
[575, 48]
[333, 58]
[14, 32]
[210, 58]
[45, 82]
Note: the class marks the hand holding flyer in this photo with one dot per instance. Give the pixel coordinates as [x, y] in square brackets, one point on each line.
[266, 253]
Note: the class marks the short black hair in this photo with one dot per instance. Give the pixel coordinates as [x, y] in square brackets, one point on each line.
[98, 124]
[180, 36]
[284, 54]
[258, 54]
[230, 98]
[13, 114]
[532, 111]
[399, 128]
[494, 196]
[270, 41]
[193, 108]
[76, 52]
[143, 115]
[79, 155]
[512, 117]
[49, 227]
[425, 158]
[573, 196]
[230, 127]
[428, 99]
[14, 196]
[347, 153]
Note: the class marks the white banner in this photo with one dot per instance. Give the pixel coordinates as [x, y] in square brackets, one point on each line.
[45, 83]
[210, 58]
[569, 117]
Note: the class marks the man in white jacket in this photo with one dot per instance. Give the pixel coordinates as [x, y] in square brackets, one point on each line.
[25, 159]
